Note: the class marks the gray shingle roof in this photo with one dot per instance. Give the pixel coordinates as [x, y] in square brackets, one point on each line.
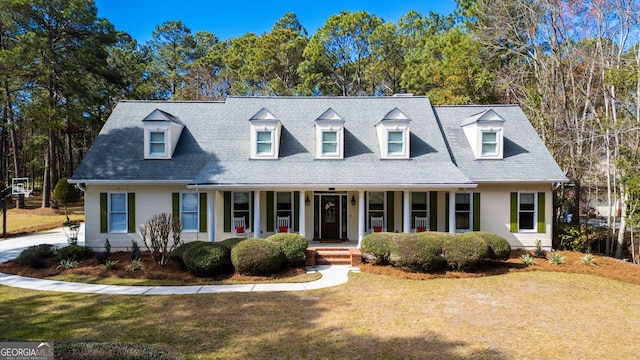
[214, 147]
[525, 156]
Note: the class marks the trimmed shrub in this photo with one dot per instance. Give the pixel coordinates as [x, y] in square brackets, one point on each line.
[257, 257]
[177, 254]
[205, 259]
[75, 252]
[376, 247]
[418, 253]
[293, 247]
[499, 248]
[465, 251]
[232, 242]
[42, 251]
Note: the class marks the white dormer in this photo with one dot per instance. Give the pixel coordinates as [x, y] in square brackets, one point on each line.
[161, 134]
[484, 132]
[393, 135]
[330, 136]
[265, 135]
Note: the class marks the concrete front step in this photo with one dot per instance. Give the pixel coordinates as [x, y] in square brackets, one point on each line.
[333, 256]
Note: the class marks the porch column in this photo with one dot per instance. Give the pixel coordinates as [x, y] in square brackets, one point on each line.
[361, 217]
[256, 214]
[211, 218]
[302, 217]
[452, 211]
[406, 210]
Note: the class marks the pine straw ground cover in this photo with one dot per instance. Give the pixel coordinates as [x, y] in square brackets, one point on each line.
[518, 314]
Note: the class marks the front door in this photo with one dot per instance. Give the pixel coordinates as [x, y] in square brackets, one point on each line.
[330, 217]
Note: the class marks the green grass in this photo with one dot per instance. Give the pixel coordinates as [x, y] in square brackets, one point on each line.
[518, 315]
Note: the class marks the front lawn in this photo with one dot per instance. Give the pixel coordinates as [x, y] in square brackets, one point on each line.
[517, 315]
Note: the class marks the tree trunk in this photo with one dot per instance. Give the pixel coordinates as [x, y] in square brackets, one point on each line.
[46, 180]
[623, 222]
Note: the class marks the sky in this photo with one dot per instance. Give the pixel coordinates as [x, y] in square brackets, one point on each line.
[232, 18]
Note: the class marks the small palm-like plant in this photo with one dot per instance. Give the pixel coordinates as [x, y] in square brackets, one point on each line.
[134, 265]
[588, 259]
[556, 258]
[110, 264]
[527, 259]
[67, 264]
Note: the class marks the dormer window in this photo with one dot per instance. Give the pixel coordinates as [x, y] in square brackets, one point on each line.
[161, 134]
[393, 135]
[489, 143]
[265, 135]
[330, 135]
[395, 143]
[264, 143]
[157, 143]
[484, 132]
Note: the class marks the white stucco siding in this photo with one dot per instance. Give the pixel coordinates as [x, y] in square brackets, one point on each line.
[149, 200]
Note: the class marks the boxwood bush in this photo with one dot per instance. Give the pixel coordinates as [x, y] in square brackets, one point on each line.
[376, 247]
[499, 248]
[465, 251]
[257, 257]
[177, 253]
[41, 252]
[205, 259]
[75, 252]
[232, 242]
[418, 253]
[293, 247]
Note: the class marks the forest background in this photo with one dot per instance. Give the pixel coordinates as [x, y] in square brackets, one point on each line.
[573, 66]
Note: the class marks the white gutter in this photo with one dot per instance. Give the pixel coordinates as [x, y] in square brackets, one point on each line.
[129, 182]
[332, 187]
[530, 181]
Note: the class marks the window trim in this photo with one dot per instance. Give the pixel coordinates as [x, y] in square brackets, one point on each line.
[402, 142]
[428, 204]
[337, 143]
[470, 212]
[275, 206]
[150, 142]
[269, 154]
[248, 223]
[110, 211]
[534, 228]
[197, 211]
[368, 207]
[496, 143]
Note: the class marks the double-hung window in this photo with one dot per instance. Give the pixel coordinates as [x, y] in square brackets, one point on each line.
[395, 142]
[418, 206]
[157, 143]
[527, 211]
[284, 205]
[242, 207]
[489, 143]
[330, 143]
[189, 211]
[463, 208]
[117, 212]
[375, 205]
[264, 143]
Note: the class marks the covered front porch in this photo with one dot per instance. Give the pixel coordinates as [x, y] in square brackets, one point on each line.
[336, 217]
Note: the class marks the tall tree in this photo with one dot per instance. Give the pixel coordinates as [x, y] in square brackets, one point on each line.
[66, 43]
[339, 54]
[172, 44]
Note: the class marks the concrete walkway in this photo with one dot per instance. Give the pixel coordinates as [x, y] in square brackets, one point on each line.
[10, 249]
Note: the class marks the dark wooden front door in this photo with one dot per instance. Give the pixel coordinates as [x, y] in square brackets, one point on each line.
[330, 217]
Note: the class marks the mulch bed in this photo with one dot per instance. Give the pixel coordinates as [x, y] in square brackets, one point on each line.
[605, 267]
[152, 271]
